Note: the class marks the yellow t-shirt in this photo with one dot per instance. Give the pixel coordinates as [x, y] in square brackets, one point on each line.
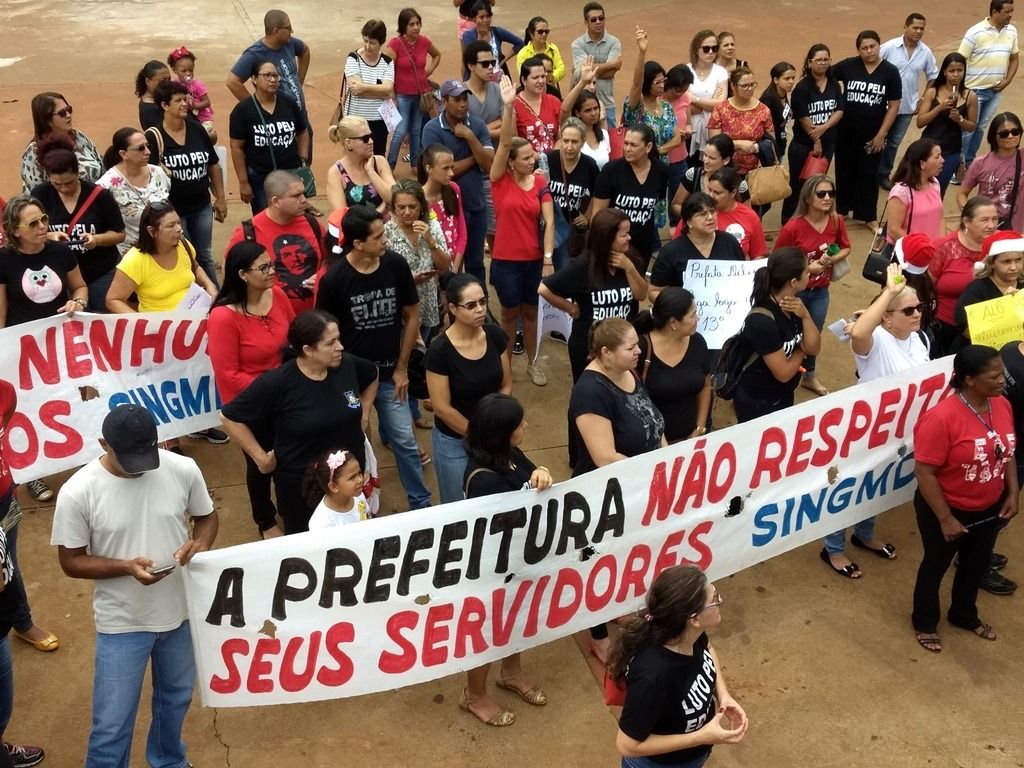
[159, 289]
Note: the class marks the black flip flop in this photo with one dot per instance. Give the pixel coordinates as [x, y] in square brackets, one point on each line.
[886, 552]
[846, 572]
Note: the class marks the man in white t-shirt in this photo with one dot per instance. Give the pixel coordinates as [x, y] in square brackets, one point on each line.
[123, 520]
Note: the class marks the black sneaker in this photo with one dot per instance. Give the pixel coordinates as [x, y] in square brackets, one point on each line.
[997, 584]
[518, 348]
[998, 562]
[39, 491]
[212, 435]
[23, 756]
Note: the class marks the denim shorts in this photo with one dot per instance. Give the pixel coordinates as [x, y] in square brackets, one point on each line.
[516, 281]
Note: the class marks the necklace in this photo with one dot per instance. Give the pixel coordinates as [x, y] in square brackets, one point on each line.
[998, 448]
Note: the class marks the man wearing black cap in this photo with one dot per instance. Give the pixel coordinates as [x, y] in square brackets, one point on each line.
[123, 520]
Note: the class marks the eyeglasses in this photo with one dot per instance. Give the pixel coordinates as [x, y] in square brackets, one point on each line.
[43, 220]
[269, 75]
[471, 305]
[140, 148]
[821, 61]
[65, 112]
[487, 63]
[747, 86]
[595, 19]
[542, 31]
[717, 602]
[910, 311]
[821, 194]
[1009, 132]
[266, 268]
[659, 81]
[365, 138]
[709, 48]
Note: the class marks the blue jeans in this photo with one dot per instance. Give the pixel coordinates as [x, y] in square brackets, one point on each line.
[816, 301]
[609, 114]
[949, 165]
[22, 613]
[397, 421]
[988, 103]
[676, 172]
[6, 683]
[892, 145]
[98, 292]
[121, 662]
[259, 195]
[449, 464]
[411, 126]
[198, 228]
[476, 234]
[835, 543]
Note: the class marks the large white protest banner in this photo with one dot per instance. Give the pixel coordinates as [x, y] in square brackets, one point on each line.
[69, 372]
[721, 290]
[416, 596]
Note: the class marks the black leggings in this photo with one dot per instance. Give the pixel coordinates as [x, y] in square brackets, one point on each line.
[295, 512]
[264, 513]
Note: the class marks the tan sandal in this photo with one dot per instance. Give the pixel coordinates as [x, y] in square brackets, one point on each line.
[814, 386]
[535, 695]
[500, 720]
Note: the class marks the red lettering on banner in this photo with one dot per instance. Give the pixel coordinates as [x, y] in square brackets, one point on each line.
[666, 556]
[337, 635]
[436, 633]
[32, 429]
[503, 621]
[801, 445]
[886, 414]
[568, 582]
[857, 427]
[901, 424]
[823, 456]
[291, 680]
[769, 461]
[184, 348]
[43, 361]
[533, 615]
[107, 349]
[470, 625]
[700, 484]
[397, 663]
[662, 491]
[76, 351]
[703, 550]
[638, 563]
[257, 680]
[232, 682]
[931, 386]
[143, 340]
[26, 458]
[594, 600]
[72, 443]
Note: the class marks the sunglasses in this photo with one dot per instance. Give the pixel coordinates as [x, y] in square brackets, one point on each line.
[488, 63]
[709, 48]
[365, 138]
[65, 112]
[910, 311]
[140, 148]
[821, 194]
[1009, 132]
[595, 19]
[43, 220]
[471, 305]
[542, 31]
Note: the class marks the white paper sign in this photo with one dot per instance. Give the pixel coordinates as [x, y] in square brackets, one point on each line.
[389, 113]
[551, 320]
[722, 292]
[196, 299]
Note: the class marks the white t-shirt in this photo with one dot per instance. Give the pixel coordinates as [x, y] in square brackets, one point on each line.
[704, 89]
[124, 518]
[325, 517]
[602, 152]
[890, 355]
[370, 74]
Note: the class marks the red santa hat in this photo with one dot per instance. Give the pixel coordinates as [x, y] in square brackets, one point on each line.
[1001, 242]
[914, 253]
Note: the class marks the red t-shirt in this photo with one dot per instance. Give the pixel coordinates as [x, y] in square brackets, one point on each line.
[540, 129]
[296, 251]
[8, 400]
[745, 225]
[799, 233]
[951, 268]
[241, 347]
[954, 439]
[410, 65]
[517, 218]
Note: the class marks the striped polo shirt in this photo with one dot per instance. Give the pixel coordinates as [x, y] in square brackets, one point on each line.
[988, 52]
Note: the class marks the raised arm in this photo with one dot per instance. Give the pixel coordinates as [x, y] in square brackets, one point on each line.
[636, 86]
[588, 73]
[861, 335]
[499, 166]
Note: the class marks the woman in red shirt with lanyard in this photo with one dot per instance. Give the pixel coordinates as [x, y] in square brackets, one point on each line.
[521, 200]
[537, 111]
[967, 487]
[247, 329]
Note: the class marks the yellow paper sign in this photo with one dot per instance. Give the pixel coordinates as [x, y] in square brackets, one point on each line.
[996, 322]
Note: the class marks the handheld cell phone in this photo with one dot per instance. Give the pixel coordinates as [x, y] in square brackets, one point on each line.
[75, 241]
[159, 570]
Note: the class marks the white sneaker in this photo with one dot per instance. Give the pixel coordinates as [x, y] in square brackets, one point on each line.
[537, 376]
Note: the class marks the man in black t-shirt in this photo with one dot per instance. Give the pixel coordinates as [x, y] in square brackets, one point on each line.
[372, 293]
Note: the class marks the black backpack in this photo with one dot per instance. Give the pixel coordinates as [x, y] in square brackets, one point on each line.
[734, 360]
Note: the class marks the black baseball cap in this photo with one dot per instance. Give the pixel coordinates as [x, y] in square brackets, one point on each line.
[130, 431]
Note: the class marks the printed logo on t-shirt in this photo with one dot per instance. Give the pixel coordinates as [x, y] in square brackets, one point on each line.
[695, 703]
[41, 285]
[279, 133]
[990, 458]
[863, 92]
[736, 230]
[188, 166]
[639, 208]
[611, 302]
[296, 262]
[352, 399]
[790, 346]
[377, 308]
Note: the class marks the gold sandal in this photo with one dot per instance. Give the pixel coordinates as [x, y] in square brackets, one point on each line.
[535, 695]
[500, 720]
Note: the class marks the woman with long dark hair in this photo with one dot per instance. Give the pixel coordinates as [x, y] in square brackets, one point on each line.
[915, 199]
[718, 153]
[246, 330]
[298, 402]
[663, 657]
[967, 489]
[51, 114]
[538, 43]
[780, 331]
[946, 112]
[710, 88]
[148, 78]
[132, 180]
[416, 58]
[536, 111]
[435, 171]
[743, 119]
[466, 362]
[817, 102]
[498, 465]
[737, 218]
[999, 175]
[675, 364]
[645, 102]
[776, 97]
[606, 280]
[582, 102]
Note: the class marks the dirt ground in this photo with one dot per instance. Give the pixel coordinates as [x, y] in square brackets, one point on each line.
[827, 669]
